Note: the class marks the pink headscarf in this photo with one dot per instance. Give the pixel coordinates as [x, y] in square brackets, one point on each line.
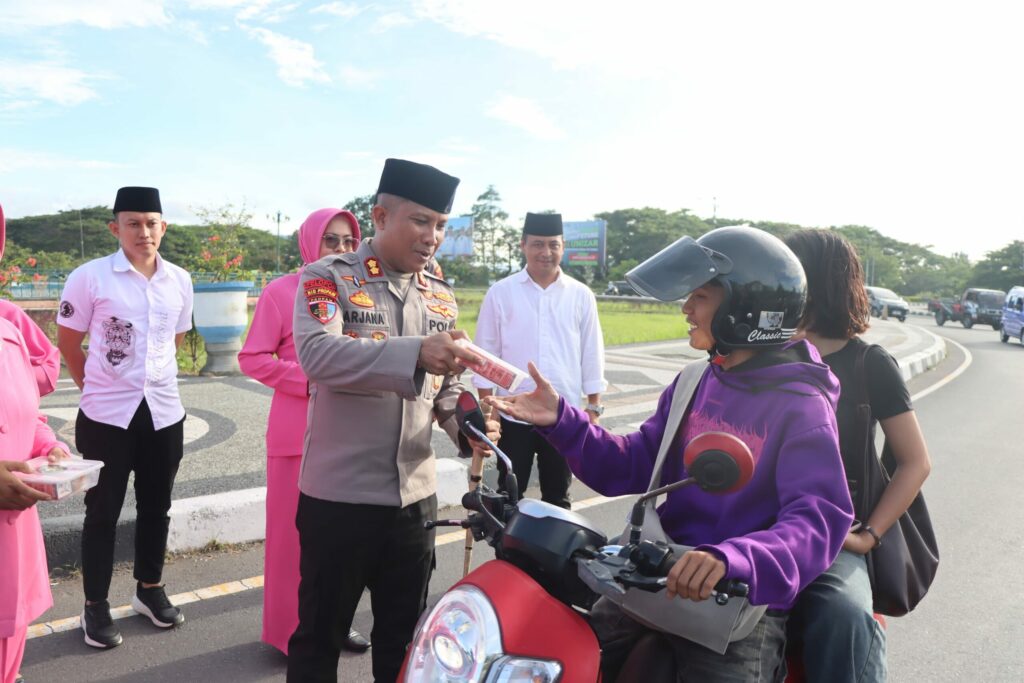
[3, 231]
[313, 228]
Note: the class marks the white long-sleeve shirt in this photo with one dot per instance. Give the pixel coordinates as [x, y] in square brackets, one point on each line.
[557, 328]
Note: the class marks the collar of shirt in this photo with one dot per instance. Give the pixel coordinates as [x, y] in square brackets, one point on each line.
[523, 277]
[123, 265]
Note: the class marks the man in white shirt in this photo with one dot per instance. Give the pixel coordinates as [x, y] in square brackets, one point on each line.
[136, 309]
[540, 314]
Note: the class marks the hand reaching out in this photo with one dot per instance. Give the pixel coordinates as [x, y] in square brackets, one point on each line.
[539, 407]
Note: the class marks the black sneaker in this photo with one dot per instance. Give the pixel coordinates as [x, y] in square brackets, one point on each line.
[98, 626]
[153, 603]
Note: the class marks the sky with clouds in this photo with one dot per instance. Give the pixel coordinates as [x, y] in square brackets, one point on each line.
[907, 117]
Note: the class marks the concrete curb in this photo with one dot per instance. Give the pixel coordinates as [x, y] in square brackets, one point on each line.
[913, 365]
[228, 517]
[240, 516]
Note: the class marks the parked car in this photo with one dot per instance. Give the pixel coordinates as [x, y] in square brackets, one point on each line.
[880, 297]
[976, 305]
[1012, 320]
[620, 288]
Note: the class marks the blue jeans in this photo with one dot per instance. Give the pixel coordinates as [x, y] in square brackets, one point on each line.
[834, 622]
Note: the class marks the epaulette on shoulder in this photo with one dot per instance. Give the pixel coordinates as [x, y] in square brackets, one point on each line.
[435, 278]
[349, 257]
[345, 261]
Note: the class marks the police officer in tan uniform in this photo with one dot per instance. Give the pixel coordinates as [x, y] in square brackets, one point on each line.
[375, 336]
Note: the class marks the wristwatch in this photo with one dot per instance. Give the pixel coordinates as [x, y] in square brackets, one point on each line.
[595, 408]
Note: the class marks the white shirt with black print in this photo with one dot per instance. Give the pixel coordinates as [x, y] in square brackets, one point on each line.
[131, 322]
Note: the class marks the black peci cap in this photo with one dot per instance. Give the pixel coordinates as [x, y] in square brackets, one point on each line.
[420, 183]
[543, 224]
[142, 199]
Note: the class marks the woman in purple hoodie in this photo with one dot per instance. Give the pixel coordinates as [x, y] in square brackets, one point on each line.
[744, 294]
[269, 356]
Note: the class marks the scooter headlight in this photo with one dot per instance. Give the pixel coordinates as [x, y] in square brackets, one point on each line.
[457, 640]
[522, 670]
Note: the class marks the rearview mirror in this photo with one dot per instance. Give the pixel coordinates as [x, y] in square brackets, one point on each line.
[720, 462]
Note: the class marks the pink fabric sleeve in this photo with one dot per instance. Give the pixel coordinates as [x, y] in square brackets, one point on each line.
[45, 439]
[44, 356]
[258, 358]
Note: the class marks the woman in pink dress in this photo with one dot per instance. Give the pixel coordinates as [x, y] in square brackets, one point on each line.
[24, 434]
[268, 355]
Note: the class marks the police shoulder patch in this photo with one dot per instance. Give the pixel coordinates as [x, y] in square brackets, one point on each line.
[324, 311]
[321, 299]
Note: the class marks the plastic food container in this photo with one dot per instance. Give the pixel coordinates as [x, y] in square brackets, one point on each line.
[493, 369]
[62, 478]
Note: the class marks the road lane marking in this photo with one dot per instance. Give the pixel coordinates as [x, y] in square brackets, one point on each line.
[232, 587]
[968, 359]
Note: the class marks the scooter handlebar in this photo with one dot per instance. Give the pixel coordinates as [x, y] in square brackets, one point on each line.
[656, 560]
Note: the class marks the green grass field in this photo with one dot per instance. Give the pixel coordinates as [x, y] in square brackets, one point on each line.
[622, 322]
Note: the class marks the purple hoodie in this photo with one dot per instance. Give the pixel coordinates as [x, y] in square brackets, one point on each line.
[786, 526]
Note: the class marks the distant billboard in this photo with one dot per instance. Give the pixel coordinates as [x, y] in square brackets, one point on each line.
[585, 243]
[458, 238]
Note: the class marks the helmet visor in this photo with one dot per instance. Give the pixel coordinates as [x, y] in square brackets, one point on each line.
[677, 270]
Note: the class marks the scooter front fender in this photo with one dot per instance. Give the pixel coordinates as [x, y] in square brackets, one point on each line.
[536, 625]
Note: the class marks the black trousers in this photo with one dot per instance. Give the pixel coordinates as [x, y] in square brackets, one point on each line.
[346, 548]
[520, 443]
[154, 456]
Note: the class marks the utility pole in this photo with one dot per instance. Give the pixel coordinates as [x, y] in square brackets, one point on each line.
[278, 243]
[714, 212]
[81, 234]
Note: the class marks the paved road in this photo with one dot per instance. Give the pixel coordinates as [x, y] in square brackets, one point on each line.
[220, 641]
[970, 626]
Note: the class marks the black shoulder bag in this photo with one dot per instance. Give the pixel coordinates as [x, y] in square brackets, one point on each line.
[902, 567]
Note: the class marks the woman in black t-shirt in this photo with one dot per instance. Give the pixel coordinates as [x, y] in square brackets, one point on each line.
[833, 618]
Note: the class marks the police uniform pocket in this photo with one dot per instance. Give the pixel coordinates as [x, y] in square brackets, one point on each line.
[439, 311]
[362, 332]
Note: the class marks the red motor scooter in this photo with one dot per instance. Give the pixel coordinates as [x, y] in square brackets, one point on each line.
[520, 618]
